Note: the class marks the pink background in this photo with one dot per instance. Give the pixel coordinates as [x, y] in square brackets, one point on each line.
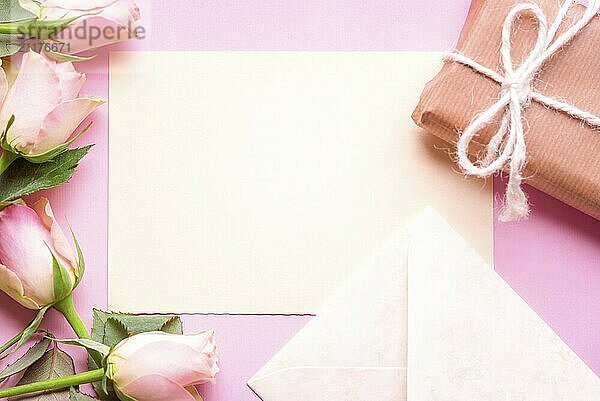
[552, 260]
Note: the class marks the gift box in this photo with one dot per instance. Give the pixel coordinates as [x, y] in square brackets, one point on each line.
[511, 79]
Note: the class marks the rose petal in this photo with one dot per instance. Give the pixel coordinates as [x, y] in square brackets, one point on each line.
[3, 87]
[56, 13]
[24, 248]
[60, 124]
[99, 23]
[177, 361]
[12, 286]
[71, 81]
[60, 245]
[134, 9]
[36, 81]
[108, 27]
[78, 4]
[198, 342]
[156, 388]
[123, 12]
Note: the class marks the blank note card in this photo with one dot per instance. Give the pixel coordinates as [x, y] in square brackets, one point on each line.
[259, 182]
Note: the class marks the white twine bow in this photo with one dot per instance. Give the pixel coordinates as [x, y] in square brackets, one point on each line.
[507, 146]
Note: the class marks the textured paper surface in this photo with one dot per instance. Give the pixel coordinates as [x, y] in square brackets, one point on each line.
[471, 337]
[563, 152]
[431, 304]
[355, 349]
[259, 182]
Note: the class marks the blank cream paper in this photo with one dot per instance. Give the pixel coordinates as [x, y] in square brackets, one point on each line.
[258, 182]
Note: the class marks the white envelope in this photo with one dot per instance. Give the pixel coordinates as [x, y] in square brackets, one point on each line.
[430, 320]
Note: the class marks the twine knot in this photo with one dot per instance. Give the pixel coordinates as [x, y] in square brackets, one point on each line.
[507, 148]
[521, 88]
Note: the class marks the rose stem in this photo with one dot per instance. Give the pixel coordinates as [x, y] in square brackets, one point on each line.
[54, 384]
[67, 308]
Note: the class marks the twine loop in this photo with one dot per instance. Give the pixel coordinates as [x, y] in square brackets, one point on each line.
[507, 148]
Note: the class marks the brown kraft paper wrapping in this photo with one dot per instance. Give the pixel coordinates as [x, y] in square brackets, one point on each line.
[563, 152]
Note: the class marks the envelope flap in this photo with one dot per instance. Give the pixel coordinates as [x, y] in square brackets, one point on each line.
[471, 337]
[363, 326]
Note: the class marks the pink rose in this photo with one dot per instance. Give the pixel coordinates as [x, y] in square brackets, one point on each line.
[44, 100]
[29, 237]
[101, 22]
[158, 366]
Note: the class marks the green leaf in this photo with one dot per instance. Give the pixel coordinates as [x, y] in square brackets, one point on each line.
[5, 144]
[114, 332]
[107, 388]
[134, 324]
[9, 46]
[32, 355]
[62, 281]
[23, 178]
[173, 326]
[78, 396]
[137, 324]
[10, 203]
[11, 11]
[80, 260]
[32, 328]
[51, 154]
[88, 344]
[54, 364]
[62, 57]
[20, 339]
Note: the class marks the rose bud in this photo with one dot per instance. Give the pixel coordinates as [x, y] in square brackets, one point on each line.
[158, 366]
[37, 265]
[41, 109]
[99, 22]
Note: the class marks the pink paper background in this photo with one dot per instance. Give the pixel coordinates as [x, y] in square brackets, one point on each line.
[552, 260]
